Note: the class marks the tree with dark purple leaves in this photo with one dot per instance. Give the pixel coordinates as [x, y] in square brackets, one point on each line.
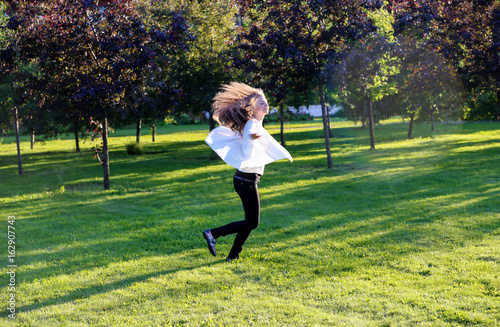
[93, 61]
[465, 32]
[429, 86]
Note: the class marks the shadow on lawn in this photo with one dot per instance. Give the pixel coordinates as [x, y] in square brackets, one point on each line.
[132, 220]
[87, 292]
[53, 169]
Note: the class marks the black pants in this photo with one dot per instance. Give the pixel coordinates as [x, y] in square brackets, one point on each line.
[245, 185]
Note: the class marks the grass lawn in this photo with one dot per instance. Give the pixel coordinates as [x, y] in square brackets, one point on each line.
[406, 235]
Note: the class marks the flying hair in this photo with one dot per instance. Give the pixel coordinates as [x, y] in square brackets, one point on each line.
[234, 105]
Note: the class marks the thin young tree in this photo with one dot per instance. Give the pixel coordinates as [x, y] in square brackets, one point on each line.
[367, 75]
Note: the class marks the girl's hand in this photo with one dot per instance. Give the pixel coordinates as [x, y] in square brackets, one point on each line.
[255, 136]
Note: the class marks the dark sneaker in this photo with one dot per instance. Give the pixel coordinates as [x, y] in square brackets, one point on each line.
[211, 241]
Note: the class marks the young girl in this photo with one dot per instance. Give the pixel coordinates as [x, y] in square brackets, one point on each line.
[243, 143]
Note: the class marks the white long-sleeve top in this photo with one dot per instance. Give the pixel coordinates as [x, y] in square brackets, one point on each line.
[243, 152]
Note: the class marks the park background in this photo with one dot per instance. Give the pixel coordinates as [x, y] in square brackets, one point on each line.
[388, 215]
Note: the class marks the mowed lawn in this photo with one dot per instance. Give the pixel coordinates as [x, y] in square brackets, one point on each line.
[406, 235]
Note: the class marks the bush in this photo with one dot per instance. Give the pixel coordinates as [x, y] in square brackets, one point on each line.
[288, 115]
[340, 114]
[483, 106]
[134, 148]
[182, 119]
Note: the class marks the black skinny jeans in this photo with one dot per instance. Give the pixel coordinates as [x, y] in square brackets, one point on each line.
[245, 185]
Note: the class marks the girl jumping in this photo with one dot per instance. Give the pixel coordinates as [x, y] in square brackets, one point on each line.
[243, 143]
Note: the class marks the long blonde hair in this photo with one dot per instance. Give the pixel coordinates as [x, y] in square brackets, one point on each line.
[234, 105]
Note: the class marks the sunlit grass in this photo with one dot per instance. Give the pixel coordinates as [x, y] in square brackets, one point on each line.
[406, 235]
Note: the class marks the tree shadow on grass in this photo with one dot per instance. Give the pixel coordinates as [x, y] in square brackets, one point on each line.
[86, 234]
[87, 292]
[446, 181]
[351, 238]
[161, 204]
[49, 171]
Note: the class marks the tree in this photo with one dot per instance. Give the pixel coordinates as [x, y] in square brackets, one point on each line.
[15, 78]
[367, 72]
[6, 91]
[367, 76]
[205, 67]
[428, 85]
[465, 32]
[295, 43]
[398, 75]
[266, 57]
[200, 71]
[160, 99]
[90, 57]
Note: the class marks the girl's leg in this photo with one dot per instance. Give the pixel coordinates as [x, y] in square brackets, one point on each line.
[249, 195]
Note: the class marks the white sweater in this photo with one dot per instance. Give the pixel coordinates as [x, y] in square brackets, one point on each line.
[243, 152]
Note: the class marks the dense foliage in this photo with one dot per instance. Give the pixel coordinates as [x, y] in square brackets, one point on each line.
[293, 46]
[89, 61]
[140, 60]
[464, 32]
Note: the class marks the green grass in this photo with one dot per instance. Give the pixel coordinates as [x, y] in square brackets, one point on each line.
[406, 235]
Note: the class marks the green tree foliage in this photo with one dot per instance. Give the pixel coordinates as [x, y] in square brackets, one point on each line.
[200, 71]
[6, 92]
[207, 65]
[397, 75]
[367, 76]
[6, 104]
[293, 45]
[368, 70]
[481, 104]
[155, 104]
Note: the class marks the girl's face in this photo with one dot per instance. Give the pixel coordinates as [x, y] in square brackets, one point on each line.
[261, 108]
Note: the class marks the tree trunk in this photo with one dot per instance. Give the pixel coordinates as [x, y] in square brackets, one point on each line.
[410, 131]
[497, 78]
[325, 128]
[153, 130]
[328, 119]
[370, 119]
[138, 131]
[282, 135]
[105, 154]
[211, 121]
[432, 120]
[498, 103]
[363, 120]
[32, 141]
[16, 127]
[76, 130]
